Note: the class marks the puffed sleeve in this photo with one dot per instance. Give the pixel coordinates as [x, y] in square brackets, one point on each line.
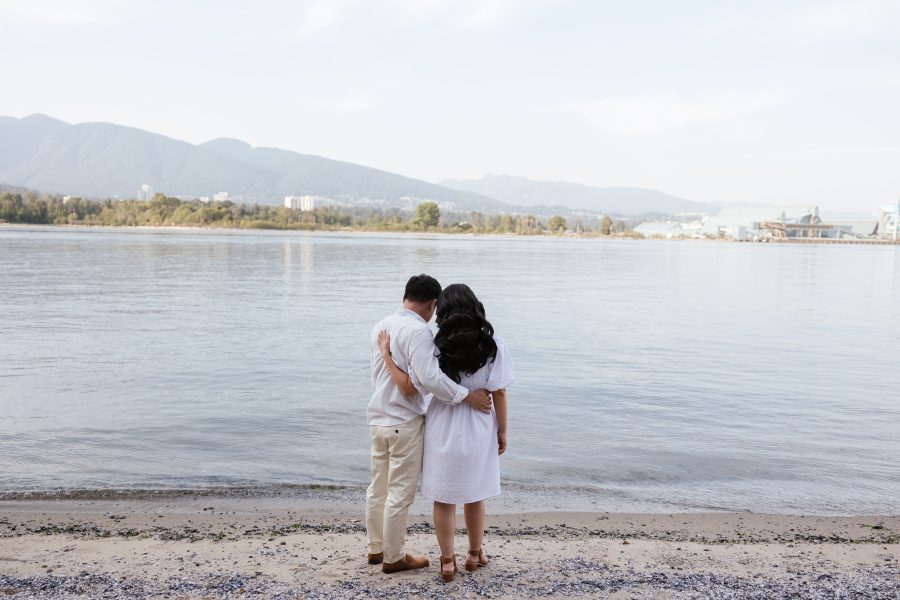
[502, 372]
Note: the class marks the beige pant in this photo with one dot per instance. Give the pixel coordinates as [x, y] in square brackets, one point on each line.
[396, 467]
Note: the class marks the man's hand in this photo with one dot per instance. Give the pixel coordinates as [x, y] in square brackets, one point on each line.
[479, 400]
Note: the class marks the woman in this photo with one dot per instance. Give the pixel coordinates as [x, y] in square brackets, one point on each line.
[462, 446]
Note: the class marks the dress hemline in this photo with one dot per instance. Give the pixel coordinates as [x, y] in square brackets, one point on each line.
[428, 497]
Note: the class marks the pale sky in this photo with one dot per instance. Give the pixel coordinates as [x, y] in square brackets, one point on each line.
[781, 102]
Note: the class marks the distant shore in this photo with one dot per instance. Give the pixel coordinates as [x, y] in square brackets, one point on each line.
[312, 544]
[329, 230]
[322, 229]
[548, 236]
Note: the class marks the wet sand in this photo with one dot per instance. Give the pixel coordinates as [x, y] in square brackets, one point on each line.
[311, 543]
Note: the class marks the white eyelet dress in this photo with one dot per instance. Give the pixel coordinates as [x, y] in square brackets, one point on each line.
[461, 464]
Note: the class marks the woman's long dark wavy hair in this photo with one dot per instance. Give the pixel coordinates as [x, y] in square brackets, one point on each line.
[465, 338]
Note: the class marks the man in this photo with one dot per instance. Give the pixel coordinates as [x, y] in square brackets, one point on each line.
[396, 422]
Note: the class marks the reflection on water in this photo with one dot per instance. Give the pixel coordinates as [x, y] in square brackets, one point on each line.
[665, 374]
[297, 257]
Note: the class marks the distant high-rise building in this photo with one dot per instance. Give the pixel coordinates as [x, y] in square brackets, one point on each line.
[220, 197]
[304, 203]
[146, 192]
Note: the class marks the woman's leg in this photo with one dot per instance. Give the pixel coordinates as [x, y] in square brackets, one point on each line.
[445, 526]
[474, 514]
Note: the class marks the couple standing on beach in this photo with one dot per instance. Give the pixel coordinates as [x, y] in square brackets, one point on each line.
[453, 441]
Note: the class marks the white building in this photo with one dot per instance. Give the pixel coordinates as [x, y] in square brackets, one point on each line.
[889, 222]
[660, 229]
[304, 203]
[146, 192]
[220, 197]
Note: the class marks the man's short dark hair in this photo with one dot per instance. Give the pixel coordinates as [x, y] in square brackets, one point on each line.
[422, 288]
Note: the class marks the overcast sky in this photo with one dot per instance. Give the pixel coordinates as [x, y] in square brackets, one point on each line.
[783, 102]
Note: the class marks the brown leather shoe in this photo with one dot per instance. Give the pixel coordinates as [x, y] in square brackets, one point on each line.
[376, 559]
[405, 564]
[448, 576]
[476, 559]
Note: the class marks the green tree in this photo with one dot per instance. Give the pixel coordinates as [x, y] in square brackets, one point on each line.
[557, 224]
[477, 220]
[605, 225]
[11, 207]
[427, 215]
[527, 225]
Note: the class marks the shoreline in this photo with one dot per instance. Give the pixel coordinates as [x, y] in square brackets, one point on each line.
[322, 230]
[313, 544]
[516, 498]
[456, 234]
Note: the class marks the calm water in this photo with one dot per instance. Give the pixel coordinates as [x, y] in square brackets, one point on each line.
[677, 375]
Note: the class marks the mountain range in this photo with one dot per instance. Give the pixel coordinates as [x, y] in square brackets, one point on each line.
[549, 195]
[108, 160]
[103, 160]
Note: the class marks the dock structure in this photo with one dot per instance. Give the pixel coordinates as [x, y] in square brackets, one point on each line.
[800, 224]
[804, 226]
[851, 241]
[778, 229]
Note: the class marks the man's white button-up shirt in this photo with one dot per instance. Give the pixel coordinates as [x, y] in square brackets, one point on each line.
[412, 347]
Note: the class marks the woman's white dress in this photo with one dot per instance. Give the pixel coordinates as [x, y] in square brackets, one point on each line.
[461, 463]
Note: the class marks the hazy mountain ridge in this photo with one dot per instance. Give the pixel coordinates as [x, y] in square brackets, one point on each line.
[521, 191]
[103, 159]
[16, 189]
[332, 178]
[107, 160]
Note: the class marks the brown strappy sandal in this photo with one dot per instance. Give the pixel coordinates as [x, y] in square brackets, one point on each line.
[480, 560]
[448, 577]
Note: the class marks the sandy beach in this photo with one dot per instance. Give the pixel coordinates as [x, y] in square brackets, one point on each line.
[310, 543]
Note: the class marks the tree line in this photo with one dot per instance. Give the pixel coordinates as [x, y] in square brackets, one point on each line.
[165, 210]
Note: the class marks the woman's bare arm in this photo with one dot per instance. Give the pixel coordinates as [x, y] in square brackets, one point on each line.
[500, 408]
[399, 376]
